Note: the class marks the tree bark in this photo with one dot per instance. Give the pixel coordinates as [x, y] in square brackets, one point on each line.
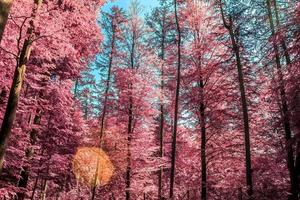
[161, 118]
[282, 41]
[174, 135]
[44, 190]
[25, 172]
[14, 95]
[76, 87]
[37, 178]
[203, 144]
[285, 112]
[202, 121]
[107, 87]
[5, 6]
[34, 187]
[129, 132]
[130, 121]
[236, 50]
[23, 182]
[94, 186]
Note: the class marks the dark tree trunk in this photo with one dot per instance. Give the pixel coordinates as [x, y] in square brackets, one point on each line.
[94, 188]
[129, 132]
[174, 136]
[285, 113]
[102, 121]
[44, 189]
[23, 182]
[35, 186]
[161, 152]
[130, 122]
[76, 87]
[13, 101]
[203, 144]
[282, 41]
[14, 95]
[25, 172]
[161, 118]
[229, 26]
[202, 121]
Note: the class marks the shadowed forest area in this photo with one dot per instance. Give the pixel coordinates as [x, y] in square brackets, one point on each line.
[186, 100]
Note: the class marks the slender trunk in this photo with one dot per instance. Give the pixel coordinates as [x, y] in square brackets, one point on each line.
[44, 190]
[112, 196]
[130, 120]
[285, 113]
[94, 186]
[76, 87]
[297, 164]
[35, 186]
[129, 132]
[202, 121]
[297, 124]
[44, 186]
[245, 119]
[240, 194]
[94, 189]
[86, 104]
[23, 182]
[107, 85]
[282, 41]
[174, 136]
[29, 153]
[37, 177]
[14, 95]
[203, 144]
[5, 6]
[161, 123]
[239, 66]
[161, 152]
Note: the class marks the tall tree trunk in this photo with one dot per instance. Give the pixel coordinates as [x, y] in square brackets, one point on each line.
[25, 172]
[44, 190]
[37, 178]
[129, 133]
[203, 144]
[161, 146]
[94, 186]
[107, 87]
[130, 122]
[202, 121]
[236, 50]
[23, 182]
[76, 88]
[178, 77]
[282, 41]
[44, 185]
[14, 95]
[297, 123]
[288, 62]
[5, 6]
[285, 113]
[35, 186]
[161, 118]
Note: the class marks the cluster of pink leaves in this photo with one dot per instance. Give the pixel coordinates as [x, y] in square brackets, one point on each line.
[49, 123]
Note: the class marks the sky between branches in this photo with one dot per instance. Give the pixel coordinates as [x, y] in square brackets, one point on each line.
[147, 4]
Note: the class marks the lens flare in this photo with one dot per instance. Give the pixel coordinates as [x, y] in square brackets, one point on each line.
[92, 166]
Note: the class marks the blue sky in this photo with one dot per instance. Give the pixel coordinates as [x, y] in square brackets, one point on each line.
[147, 4]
